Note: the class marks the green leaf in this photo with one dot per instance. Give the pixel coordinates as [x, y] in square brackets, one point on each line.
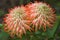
[4, 35]
[51, 32]
[1, 26]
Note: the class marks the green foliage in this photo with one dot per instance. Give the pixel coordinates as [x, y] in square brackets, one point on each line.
[3, 35]
[51, 32]
[1, 26]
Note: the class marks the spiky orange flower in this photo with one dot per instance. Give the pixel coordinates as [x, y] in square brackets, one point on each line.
[20, 19]
[42, 15]
[16, 22]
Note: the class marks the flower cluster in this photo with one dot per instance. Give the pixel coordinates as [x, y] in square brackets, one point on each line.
[32, 16]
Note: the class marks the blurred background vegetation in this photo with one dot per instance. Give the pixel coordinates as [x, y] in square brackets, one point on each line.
[53, 34]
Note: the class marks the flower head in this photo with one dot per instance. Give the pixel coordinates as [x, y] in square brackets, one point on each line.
[16, 22]
[41, 14]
